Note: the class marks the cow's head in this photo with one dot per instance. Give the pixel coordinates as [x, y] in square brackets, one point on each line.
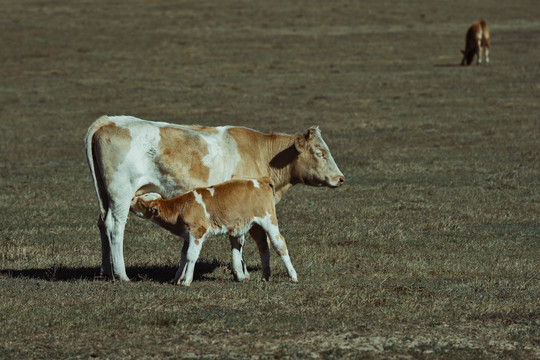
[468, 56]
[315, 165]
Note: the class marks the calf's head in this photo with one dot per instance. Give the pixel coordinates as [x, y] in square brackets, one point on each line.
[145, 206]
[315, 165]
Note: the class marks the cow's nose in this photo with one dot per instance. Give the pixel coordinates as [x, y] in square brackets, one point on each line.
[341, 180]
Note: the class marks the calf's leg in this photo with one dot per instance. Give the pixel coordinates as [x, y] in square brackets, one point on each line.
[192, 254]
[278, 242]
[238, 265]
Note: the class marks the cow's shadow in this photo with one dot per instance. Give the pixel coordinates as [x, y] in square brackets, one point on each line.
[154, 273]
[448, 65]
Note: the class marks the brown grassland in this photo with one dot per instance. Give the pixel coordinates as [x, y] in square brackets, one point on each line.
[430, 250]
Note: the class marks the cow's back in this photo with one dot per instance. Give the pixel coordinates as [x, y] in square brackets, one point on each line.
[161, 157]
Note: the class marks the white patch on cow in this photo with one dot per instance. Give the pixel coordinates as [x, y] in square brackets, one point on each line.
[219, 231]
[198, 198]
[140, 162]
[211, 190]
[266, 223]
[255, 183]
[137, 163]
[221, 167]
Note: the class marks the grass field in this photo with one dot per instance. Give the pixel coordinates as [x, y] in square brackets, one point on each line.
[430, 250]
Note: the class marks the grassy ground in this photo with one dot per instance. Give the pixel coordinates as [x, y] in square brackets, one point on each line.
[430, 250]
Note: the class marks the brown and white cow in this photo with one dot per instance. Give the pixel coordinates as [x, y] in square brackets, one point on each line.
[231, 207]
[476, 40]
[129, 157]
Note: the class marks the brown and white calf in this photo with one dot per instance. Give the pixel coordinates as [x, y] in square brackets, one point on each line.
[129, 156]
[476, 40]
[232, 208]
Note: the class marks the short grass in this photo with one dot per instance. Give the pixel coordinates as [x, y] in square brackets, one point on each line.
[431, 249]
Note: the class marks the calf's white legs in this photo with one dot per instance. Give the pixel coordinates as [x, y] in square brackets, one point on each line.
[238, 265]
[278, 242]
[261, 231]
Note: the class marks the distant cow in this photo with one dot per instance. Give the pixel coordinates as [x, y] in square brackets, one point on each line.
[231, 207]
[129, 157]
[476, 39]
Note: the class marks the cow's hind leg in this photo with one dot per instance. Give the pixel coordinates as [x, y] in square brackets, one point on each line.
[115, 223]
[478, 52]
[106, 266]
[238, 265]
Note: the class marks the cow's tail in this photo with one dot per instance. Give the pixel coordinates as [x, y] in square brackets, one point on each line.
[95, 169]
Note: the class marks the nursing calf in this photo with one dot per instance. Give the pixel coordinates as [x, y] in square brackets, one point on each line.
[232, 208]
[476, 40]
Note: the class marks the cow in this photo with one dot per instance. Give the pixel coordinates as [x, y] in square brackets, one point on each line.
[476, 40]
[231, 207]
[128, 157]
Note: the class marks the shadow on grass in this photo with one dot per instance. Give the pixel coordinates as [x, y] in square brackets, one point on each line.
[155, 273]
[448, 65]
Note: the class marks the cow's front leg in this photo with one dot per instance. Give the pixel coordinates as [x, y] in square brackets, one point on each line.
[238, 264]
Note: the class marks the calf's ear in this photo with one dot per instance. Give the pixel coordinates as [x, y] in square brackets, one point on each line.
[154, 210]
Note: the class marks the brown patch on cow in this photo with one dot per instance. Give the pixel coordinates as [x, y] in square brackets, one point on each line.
[252, 163]
[207, 130]
[182, 153]
[112, 142]
[258, 150]
[198, 232]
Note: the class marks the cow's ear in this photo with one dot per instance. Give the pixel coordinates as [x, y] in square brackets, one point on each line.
[299, 142]
[311, 133]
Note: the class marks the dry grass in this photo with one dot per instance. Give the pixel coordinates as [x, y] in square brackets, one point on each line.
[430, 250]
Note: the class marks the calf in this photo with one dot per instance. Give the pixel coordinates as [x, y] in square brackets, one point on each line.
[476, 39]
[231, 207]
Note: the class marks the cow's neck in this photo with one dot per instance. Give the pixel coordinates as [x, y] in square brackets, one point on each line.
[281, 162]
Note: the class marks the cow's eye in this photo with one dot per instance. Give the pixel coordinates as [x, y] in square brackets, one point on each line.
[320, 154]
